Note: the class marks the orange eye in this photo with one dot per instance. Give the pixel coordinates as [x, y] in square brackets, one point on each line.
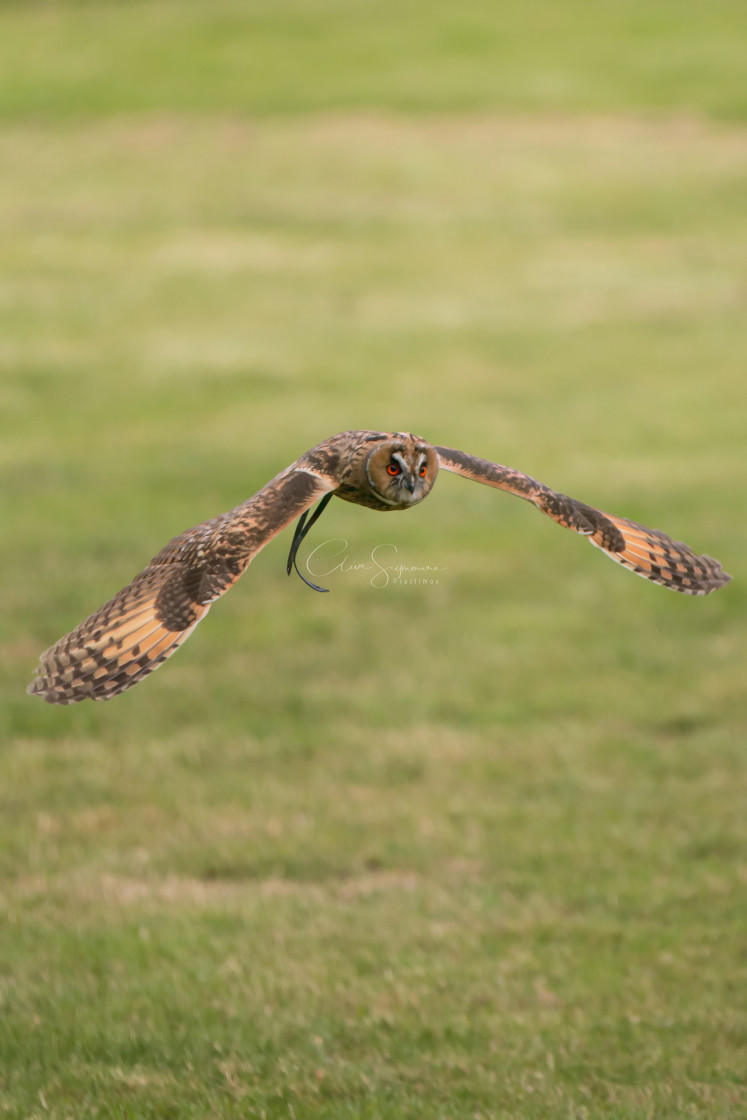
[423, 471]
[394, 469]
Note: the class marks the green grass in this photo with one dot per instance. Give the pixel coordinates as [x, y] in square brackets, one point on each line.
[470, 849]
[265, 56]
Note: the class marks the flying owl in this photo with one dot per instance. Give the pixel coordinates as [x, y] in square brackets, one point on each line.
[148, 620]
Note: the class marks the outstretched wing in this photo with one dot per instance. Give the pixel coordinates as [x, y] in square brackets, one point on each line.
[148, 620]
[647, 552]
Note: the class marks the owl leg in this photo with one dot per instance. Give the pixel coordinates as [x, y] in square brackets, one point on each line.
[302, 529]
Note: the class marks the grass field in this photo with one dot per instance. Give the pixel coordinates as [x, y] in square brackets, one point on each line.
[473, 848]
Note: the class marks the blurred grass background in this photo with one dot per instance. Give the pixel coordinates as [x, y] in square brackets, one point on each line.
[470, 849]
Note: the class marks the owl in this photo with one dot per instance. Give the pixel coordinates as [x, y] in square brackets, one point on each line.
[143, 624]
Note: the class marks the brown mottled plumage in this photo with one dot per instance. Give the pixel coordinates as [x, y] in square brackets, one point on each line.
[143, 624]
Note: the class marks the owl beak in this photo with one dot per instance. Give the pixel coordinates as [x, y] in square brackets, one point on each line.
[409, 483]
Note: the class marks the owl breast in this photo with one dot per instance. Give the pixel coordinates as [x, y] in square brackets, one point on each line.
[365, 496]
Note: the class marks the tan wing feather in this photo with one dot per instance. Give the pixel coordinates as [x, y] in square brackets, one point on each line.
[647, 552]
[148, 620]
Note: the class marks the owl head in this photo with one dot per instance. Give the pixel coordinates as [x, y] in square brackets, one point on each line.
[401, 470]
